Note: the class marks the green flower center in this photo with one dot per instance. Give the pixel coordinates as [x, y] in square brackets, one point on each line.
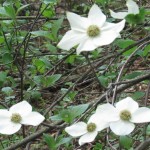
[16, 118]
[125, 115]
[93, 31]
[91, 127]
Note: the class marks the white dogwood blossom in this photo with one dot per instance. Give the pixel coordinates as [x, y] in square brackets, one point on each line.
[21, 113]
[133, 8]
[91, 32]
[87, 131]
[122, 117]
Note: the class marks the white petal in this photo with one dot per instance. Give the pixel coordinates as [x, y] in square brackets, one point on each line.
[23, 108]
[88, 137]
[96, 16]
[105, 38]
[121, 127]
[127, 104]
[118, 15]
[86, 45]
[34, 118]
[117, 27]
[107, 112]
[77, 22]
[133, 8]
[71, 39]
[9, 128]
[4, 116]
[141, 115]
[100, 122]
[77, 129]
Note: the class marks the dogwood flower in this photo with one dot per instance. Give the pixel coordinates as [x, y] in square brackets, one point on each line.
[91, 32]
[20, 113]
[122, 117]
[88, 131]
[133, 8]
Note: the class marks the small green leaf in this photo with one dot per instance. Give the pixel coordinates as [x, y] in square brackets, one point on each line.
[69, 114]
[50, 80]
[148, 130]
[136, 19]
[38, 79]
[7, 58]
[21, 8]
[66, 115]
[50, 141]
[103, 80]
[63, 141]
[10, 11]
[3, 11]
[78, 110]
[137, 95]
[49, 1]
[40, 65]
[71, 59]
[126, 142]
[7, 90]
[146, 50]
[56, 26]
[56, 118]
[45, 34]
[133, 75]
[125, 43]
[35, 94]
[3, 76]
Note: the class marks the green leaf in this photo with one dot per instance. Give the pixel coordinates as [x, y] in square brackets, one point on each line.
[69, 114]
[103, 80]
[40, 65]
[49, 12]
[2, 39]
[21, 8]
[56, 118]
[102, 2]
[136, 19]
[50, 80]
[133, 75]
[63, 141]
[7, 58]
[56, 26]
[146, 50]
[98, 146]
[3, 11]
[125, 43]
[78, 110]
[137, 95]
[66, 115]
[38, 79]
[126, 142]
[10, 11]
[3, 76]
[50, 141]
[148, 130]
[49, 1]
[45, 34]
[7, 90]
[35, 94]
[71, 59]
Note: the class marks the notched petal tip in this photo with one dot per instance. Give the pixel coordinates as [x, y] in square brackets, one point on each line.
[118, 15]
[133, 8]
